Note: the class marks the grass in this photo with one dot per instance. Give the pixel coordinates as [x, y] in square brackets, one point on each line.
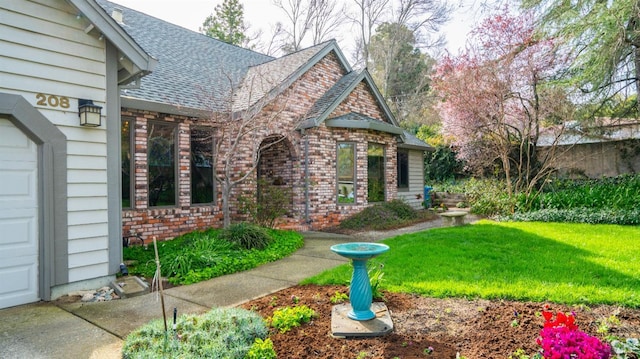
[563, 263]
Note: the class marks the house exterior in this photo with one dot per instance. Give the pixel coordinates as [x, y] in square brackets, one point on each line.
[70, 193]
[330, 138]
[57, 178]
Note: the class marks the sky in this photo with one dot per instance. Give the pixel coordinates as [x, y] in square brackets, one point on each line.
[261, 14]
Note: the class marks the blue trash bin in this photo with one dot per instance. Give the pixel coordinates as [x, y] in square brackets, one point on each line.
[427, 197]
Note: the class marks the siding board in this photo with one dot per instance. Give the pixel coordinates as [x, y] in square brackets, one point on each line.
[52, 45]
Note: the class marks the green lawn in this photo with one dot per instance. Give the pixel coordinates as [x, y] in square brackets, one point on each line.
[565, 263]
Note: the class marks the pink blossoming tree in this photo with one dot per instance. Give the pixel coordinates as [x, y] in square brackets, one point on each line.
[498, 99]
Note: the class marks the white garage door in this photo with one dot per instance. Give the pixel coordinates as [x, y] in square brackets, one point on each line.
[18, 217]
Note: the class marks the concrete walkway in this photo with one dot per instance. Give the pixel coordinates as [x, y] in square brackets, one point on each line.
[96, 330]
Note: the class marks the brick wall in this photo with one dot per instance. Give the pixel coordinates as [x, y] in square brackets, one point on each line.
[285, 161]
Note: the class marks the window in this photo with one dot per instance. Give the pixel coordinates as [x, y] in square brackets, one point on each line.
[375, 173]
[162, 164]
[125, 158]
[346, 172]
[202, 181]
[403, 169]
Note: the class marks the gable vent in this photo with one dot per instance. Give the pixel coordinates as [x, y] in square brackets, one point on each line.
[116, 14]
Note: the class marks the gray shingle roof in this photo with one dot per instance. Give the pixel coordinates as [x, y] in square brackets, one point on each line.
[268, 77]
[408, 140]
[330, 97]
[194, 71]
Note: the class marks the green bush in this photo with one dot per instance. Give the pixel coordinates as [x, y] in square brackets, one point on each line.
[289, 317]
[381, 216]
[220, 333]
[272, 202]
[622, 192]
[246, 235]
[579, 215]
[442, 165]
[262, 349]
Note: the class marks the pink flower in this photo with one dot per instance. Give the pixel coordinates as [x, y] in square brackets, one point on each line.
[561, 339]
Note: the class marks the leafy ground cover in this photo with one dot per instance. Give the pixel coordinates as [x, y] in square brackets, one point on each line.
[202, 255]
[563, 263]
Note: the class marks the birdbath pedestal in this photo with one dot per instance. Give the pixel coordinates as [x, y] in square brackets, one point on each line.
[360, 294]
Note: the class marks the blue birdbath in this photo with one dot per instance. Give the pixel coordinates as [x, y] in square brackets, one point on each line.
[360, 294]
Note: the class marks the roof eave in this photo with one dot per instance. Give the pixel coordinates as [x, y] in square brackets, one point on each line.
[147, 105]
[365, 125]
[141, 63]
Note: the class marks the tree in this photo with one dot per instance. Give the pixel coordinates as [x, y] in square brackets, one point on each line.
[400, 70]
[227, 24]
[320, 18]
[498, 101]
[367, 18]
[604, 36]
[242, 128]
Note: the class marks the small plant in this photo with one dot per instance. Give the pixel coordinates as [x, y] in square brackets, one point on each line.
[362, 355]
[604, 325]
[229, 333]
[375, 277]
[428, 351]
[246, 235]
[561, 338]
[289, 317]
[520, 354]
[261, 349]
[273, 301]
[622, 349]
[295, 299]
[338, 297]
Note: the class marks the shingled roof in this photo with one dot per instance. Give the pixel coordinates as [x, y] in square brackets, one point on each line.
[272, 77]
[194, 71]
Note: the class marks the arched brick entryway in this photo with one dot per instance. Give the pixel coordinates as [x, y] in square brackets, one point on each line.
[276, 176]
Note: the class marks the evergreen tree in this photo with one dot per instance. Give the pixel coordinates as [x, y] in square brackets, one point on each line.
[227, 24]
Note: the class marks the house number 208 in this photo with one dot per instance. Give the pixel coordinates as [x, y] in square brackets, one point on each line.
[52, 100]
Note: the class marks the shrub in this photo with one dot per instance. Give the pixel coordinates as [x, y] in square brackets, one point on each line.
[246, 235]
[578, 215]
[381, 216]
[197, 253]
[289, 317]
[262, 349]
[272, 203]
[622, 192]
[219, 333]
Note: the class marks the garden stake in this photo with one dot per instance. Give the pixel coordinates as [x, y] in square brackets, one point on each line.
[159, 276]
[175, 314]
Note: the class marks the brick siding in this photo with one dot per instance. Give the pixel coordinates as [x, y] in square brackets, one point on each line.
[283, 163]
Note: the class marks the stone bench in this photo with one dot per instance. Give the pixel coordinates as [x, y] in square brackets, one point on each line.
[455, 218]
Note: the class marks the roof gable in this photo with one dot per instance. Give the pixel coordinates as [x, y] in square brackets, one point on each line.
[271, 78]
[338, 93]
[135, 62]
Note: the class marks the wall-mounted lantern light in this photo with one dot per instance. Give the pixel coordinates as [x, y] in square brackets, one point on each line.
[90, 114]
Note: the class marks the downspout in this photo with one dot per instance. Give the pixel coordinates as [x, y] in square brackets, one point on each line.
[306, 177]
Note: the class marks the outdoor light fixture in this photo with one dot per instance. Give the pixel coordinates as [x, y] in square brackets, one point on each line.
[89, 113]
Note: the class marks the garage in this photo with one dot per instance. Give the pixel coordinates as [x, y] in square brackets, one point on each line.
[18, 217]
